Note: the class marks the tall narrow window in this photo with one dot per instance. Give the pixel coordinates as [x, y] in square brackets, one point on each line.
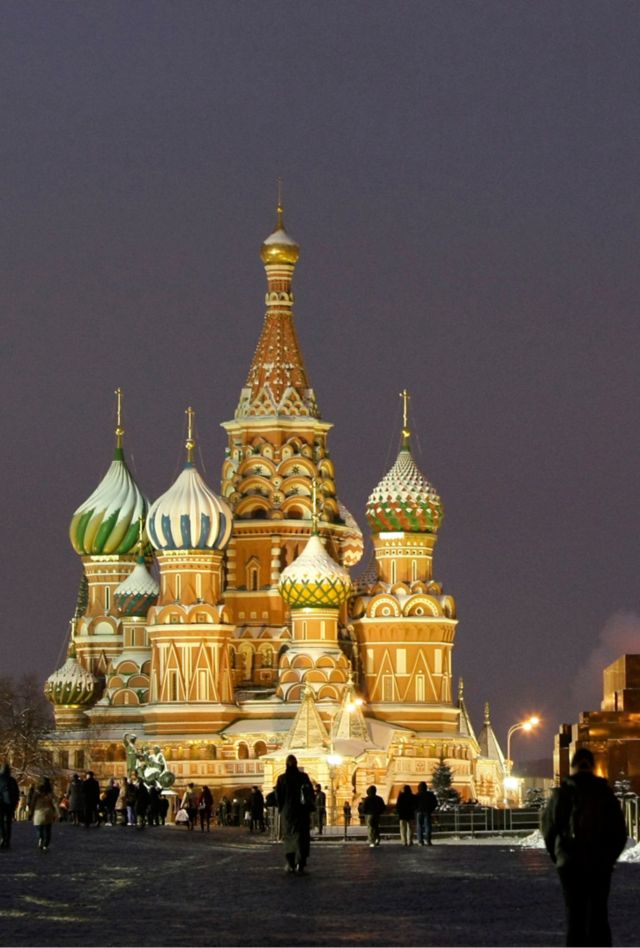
[323, 630]
[420, 687]
[199, 586]
[437, 661]
[178, 586]
[414, 571]
[370, 661]
[387, 687]
[107, 598]
[172, 685]
[393, 571]
[401, 661]
[203, 685]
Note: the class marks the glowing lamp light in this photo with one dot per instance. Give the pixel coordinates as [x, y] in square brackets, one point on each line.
[510, 783]
[334, 760]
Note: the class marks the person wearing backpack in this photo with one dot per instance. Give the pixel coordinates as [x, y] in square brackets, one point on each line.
[584, 832]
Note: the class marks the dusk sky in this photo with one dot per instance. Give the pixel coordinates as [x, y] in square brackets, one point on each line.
[462, 178]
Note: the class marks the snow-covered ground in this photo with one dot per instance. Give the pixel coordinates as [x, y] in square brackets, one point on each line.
[631, 851]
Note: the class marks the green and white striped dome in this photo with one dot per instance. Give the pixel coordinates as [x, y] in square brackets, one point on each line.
[107, 522]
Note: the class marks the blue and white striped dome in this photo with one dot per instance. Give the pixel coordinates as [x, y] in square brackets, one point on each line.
[189, 516]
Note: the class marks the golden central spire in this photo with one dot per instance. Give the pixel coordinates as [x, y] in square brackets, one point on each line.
[119, 429]
[314, 507]
[190, 443]
[406, 431]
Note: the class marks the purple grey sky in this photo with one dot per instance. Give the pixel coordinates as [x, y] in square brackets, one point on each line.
[463, 181]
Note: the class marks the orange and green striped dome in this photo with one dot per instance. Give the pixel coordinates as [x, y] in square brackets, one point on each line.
[404, 500]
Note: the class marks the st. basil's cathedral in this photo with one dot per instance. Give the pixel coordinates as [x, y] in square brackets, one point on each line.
[254, 641]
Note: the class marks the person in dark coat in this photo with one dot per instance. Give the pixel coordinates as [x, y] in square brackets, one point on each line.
[111, 795]
[373, 807]
[425, 803]
[141, 806]
[256, 807]
[321, 809]
[406, 808]
[76, 806]
[90, 799]
[205, 806]
[294, 792]
[9, 799]
[584, 832]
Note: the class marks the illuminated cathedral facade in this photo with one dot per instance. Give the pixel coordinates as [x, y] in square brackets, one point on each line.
[227, 627]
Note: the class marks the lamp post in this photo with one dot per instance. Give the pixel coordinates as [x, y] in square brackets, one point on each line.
[510, 783]
[334, 761]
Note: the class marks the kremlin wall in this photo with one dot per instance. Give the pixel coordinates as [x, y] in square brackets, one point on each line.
[228, 629]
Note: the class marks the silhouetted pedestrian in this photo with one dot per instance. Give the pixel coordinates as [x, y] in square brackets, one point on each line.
[425, 802]
[295, 803]
[406, 808]
[45, 812]
[205, 806]
[373, 808]
[90, 799]
[9, 799]
[584, 832]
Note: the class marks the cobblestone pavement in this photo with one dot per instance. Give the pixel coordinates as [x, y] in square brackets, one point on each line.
[167, 886]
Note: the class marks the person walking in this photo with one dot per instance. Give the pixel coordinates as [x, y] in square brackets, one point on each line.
[205, 806]
[76, 806]
[256, 808]
[294, 792]
[141, 805]
[91, 799]
[9, 799]
[373, 808]
[190, 804]
[271, 802]
[321, 809]
[406, 808]
[584, 832]
[111, 795]
[425, 803]
[45, 812]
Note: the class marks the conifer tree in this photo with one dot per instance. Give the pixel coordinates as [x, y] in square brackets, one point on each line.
[442, 785]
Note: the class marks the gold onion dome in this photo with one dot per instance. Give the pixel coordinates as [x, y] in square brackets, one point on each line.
[107, 522]
[279, 247]
[189, 516]
[72, 684]
[137, 592]
[314, 580]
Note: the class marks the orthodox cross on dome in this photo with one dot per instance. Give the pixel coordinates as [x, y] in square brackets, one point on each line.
[119, 429]
[487, 715]
[280, 207]
[190, 443]
[460, 689]
[406, 431]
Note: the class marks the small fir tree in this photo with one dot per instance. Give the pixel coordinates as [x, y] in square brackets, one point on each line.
[442, 785]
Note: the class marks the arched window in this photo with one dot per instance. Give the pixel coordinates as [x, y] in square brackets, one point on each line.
[260, 749]
[243, 751]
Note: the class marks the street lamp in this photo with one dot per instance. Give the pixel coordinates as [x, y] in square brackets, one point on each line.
[511, 783]
[527, 725]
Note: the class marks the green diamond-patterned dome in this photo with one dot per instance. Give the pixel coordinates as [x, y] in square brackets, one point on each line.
[314, 580]
[404, 500]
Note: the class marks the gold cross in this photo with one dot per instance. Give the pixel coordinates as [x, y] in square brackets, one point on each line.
[280, 209]
[119, 429]
[190, 443]
[404, 395]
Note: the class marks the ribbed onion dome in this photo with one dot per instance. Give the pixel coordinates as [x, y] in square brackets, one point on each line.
[107, 523]
[351, 544]
[72, 684]
[189, 516]
[279, 247]
[137, 592]
[404, 500]
[314, 580]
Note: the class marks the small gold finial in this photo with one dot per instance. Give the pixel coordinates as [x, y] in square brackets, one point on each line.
[119, 429]
[314, 506]
[406, 431]
[140, 535]
[190, 443]
[487, 715]
[460, 689]
[280, 208]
